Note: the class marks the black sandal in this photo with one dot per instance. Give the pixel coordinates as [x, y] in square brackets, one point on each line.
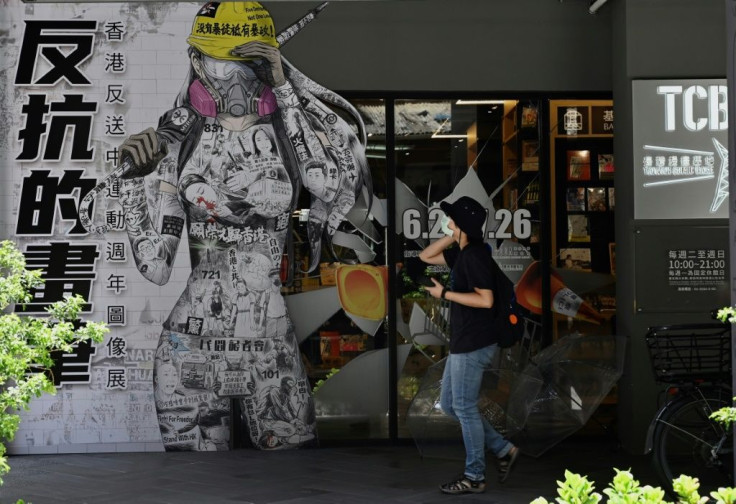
[463, 485]
[506, 462]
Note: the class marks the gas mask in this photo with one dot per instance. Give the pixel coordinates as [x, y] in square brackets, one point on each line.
[230, 87]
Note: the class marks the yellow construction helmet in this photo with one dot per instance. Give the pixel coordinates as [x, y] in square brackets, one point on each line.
[222, 26]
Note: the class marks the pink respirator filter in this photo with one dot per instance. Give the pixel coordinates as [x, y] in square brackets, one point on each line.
[203, 102]
[201, 99]
[266, 102]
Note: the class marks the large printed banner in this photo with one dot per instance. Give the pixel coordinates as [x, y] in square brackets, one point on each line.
[680, 149]
[210, 137]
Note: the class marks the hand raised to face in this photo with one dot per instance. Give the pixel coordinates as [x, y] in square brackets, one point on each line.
[268, 55]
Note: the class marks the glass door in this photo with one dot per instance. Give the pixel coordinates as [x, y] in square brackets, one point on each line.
[487, 149]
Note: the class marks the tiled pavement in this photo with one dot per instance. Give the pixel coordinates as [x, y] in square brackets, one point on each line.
[377, 473]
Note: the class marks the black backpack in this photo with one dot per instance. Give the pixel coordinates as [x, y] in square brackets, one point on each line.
[508, 325]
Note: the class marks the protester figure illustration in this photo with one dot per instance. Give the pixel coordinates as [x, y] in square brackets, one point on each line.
[226, 166]
[241, 308]
[213, 427]
[280, 410]
[216, 308]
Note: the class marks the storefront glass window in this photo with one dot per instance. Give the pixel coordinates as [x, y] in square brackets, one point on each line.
[496, 152]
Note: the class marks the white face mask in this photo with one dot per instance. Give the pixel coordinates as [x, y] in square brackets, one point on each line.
[444, 224]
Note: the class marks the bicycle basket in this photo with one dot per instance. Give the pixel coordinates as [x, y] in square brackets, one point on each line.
[690, 352]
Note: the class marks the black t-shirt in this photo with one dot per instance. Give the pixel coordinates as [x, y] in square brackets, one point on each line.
[470, 327]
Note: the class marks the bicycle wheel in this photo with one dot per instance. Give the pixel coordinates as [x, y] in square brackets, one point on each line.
[687, 441]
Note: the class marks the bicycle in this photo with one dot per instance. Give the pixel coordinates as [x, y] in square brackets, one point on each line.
[694, 362]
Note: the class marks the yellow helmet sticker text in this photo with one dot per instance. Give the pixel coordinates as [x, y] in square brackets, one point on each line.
[218, 28]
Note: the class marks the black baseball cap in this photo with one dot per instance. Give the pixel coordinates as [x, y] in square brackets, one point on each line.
[468, 214]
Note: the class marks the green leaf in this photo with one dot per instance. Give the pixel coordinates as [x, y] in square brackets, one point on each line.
[724, 495]
[26, 342]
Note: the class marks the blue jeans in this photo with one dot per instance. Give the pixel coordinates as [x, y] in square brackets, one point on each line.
[461, 382]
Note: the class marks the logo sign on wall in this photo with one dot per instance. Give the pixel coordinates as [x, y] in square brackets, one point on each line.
[680, 149]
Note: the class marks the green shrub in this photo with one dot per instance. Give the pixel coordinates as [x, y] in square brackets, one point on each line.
[624, 489]
[26, 342]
